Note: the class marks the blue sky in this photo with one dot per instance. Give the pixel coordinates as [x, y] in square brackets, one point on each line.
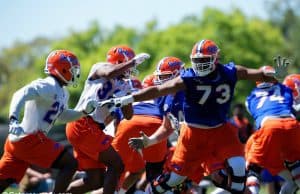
[24, 20]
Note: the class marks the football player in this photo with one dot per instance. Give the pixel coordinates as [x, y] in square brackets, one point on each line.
[92, 147]
[206, 137]
[275, 144]
[44, 101]
[147, 118]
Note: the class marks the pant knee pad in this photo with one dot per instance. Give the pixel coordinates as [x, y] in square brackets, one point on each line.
[238, 165]
[289, 187]
[166, 182]
[293, 167]
[236, 168]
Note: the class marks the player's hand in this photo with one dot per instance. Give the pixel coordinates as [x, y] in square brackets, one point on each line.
[15, 128]
[117, 102]
[139, 142]
[90, 107]
[281, 64]
[140, 58]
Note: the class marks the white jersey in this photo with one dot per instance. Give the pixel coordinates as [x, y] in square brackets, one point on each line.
[44, 101]
[99, 90]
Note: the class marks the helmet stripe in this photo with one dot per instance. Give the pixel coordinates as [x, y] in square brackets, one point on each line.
[199, 48]
[160, 64]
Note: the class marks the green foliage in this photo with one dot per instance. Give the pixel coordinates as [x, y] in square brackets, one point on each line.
[251, 42]
[19, 65]
[286, 16]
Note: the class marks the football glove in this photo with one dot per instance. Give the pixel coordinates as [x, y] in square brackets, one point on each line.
[117, 102]
[90, 107]
[15, 128]
[15, 131]
[140, 58]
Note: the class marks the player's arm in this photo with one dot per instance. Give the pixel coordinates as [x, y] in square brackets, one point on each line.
[111, 71]
[244, 73]
[33, 173]
[19, 98]
[127, 111]
[71, 115]
[162, 133]
[279, 71]
[169, 87]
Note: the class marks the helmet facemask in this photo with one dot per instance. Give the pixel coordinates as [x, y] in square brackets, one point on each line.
[164, 76]
[203, 65]
[75, 71]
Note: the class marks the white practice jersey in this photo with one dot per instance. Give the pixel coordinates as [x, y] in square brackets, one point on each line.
[44, 101]
[99, 90]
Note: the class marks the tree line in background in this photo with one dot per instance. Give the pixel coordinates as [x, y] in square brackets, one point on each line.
[252, 42]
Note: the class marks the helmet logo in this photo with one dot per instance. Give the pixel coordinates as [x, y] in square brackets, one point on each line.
[205, 47]
[297, 82]
[174, 63]
[212, 49]
[127, 54]
[73, 61]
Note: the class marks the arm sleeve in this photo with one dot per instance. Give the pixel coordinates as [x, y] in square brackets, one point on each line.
[95, 68]
[19, 98]
[230, 71]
